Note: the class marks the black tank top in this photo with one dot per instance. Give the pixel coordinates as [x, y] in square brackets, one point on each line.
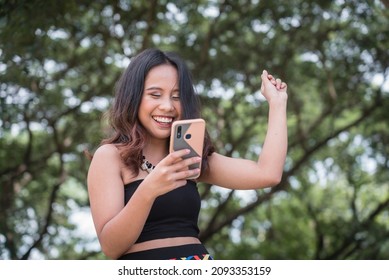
[174, 214]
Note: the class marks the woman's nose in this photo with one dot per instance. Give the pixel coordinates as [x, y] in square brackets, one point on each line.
[166, 104]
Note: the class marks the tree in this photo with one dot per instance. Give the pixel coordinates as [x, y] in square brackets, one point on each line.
[58, 70]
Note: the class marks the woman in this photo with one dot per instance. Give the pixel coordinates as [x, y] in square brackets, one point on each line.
[142, 205]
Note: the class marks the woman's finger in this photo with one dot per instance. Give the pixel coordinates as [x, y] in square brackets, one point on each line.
[187, 173]
[278, 83]
[184, 164]
[175, 156]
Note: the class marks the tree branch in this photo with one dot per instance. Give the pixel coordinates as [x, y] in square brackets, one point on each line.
[350, 239]
[282, 186]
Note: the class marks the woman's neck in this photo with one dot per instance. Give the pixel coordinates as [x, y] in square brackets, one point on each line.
[155, 150]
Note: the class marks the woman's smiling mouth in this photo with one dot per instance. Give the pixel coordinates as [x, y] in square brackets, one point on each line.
[163, 120]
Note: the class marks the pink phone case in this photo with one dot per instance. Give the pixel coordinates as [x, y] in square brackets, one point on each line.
[188, 134]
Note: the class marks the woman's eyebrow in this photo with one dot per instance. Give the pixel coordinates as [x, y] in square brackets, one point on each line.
[153, 88]
[158, 88]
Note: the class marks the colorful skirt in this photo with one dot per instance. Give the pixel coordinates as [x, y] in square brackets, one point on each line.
[183, 252]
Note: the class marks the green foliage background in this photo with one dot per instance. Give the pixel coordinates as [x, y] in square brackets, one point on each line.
[59, 61]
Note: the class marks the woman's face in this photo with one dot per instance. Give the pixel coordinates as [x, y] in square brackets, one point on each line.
[160, 104]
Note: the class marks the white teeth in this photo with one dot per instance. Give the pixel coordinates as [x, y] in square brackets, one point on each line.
[163, 119]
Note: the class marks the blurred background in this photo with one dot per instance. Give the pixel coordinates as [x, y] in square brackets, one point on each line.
[59, 61]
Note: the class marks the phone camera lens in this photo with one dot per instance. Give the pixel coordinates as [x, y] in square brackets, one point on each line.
[179, 132]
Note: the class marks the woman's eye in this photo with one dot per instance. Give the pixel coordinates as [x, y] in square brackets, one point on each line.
[176, 97]
[155, 95]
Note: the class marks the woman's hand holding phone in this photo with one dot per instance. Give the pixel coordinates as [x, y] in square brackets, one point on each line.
[188, 134]
[171, 173]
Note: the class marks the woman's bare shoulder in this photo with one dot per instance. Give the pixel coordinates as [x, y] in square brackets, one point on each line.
[106, 162]
[107, 153]
[107, 150]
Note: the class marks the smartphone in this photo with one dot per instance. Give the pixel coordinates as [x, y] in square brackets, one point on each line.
[188, 134]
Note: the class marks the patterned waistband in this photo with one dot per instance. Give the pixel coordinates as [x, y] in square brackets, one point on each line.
[182, 252]
[203, 257]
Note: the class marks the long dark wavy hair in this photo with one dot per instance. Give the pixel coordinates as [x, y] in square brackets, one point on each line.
[128, 132]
